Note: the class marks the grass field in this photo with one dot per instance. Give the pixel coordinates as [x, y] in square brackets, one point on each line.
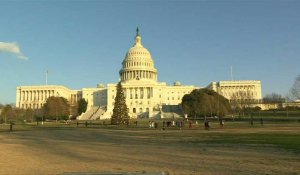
[237, 148]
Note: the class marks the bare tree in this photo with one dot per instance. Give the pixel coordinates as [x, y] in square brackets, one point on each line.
[242, 101]
[275, 99]
[8, 113]
[295, 90]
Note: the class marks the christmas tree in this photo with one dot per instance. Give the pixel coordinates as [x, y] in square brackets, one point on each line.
[120, 111]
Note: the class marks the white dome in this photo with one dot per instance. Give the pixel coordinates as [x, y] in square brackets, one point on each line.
[138, 63]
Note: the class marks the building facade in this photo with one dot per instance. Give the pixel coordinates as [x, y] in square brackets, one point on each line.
[146, 97]
[242, 90]
[35, 97]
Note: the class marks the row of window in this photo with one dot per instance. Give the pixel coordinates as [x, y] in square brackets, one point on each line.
[36, 95]
[239, 94]
[175, 92]
[134, 110]
[173, 98]
[137, 96]
[140, 103]
[130, 64]
[148, 97]
[32, 106]
[140, 53]
[237, 87]
[137, 75]
[136, 102]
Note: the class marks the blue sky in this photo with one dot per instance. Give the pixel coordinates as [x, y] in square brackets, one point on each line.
[82, 43]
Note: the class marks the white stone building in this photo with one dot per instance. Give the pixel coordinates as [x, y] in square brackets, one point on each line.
[34, 97]
[238, 90]
[145, 96]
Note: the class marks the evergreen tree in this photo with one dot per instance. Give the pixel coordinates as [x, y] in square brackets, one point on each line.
[120, 111]
[82, 106]
[205, 102]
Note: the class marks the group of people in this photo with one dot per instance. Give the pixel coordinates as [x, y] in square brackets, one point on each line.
[166, 124]
[173, 123]
[181, 124]
[153, 124]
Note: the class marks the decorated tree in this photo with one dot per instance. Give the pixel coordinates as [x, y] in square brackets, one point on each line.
[120, 111]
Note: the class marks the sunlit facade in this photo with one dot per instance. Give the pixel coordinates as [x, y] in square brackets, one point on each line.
[146, 97]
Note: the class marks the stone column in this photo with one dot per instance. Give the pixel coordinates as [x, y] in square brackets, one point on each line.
[18, 97]
[23, 94]
[139, 93]
[134, 92]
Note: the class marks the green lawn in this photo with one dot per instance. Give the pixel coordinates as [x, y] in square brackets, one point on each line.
[284, 135]
[290, 142]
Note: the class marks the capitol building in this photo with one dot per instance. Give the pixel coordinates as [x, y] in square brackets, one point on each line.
[145, 96]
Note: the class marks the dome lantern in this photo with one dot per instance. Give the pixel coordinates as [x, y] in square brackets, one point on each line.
[138, 38]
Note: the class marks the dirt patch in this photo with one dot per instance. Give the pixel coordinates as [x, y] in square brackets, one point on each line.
[108, 150]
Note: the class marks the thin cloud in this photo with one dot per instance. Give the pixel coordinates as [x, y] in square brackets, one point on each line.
[12, 48]
[22, 57]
